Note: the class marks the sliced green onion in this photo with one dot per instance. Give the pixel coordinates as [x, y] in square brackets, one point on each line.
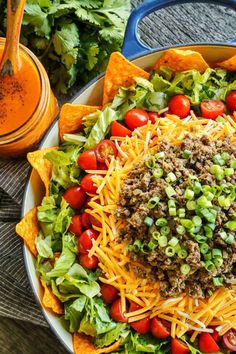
[165, 230]
[233, 164]
[148, 221]
[183, 253]
[208, 231]
[158, 172]
[191, 205]
[136, 246]
[197, 187]
[223, 235]
[160, 154]
[204, 248]
[210, 266]
[216, 252]
[188, 224]
[225, 156]
[171, 203]
[186, 154]
[197, 220]
[220, 120]
[228, 171]
[152, 244]
[218, 261]
[209, 196]
[150, 163]
[217, 171]
[181, 213]
[173, 241]
[161, 222]
[217, 159]
[188, 194]
[180, 230]
[217, 281]
[171, 177]
[156, 235]
[230, 239]
[207, 256]
[177, 248]
[153, 202]
[163, 241]
[185, 269]
[224, 202]
[200, 238]
[208, 215]
[170, 251]
[203, 202]
[231, 225]
[170, 191]
[144, 248]
[172, 211]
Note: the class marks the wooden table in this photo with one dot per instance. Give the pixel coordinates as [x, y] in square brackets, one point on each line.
[180, 24]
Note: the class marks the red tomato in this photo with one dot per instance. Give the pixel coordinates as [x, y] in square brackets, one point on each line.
[207, 344]
[134, 306]
[231, 101]
[153, 116]
[135, 118]
[75, 197]
[215, 335]
[85, 220]
[87, 183]
[141, 326]
[86, 204]
[118, 129]
[88, 262]
[87, 160]
[229, 340]
[85, 240]
[212, 109]
[180, 105]
[76, 225]
[105, 150]
[94, 221]
[158, 330]
[116, 312]
[109, 293]
[178, 347]
[102, 166]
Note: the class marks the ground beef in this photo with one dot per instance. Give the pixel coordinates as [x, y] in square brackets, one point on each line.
[141, 185]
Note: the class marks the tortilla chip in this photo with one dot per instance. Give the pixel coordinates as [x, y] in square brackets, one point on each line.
[41, 165]
[82, 345]
[181, 60]
[70, 120]
[229, 64]
[50, 301]
[28, 229]
[120, 72]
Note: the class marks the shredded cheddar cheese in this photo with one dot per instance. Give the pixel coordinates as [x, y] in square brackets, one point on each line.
[184, 313]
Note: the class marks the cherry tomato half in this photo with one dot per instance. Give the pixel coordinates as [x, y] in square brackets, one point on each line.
[134, 306]
[153, 116]
[88, 262]
[207, 344]
[158, 329]
[87, 183]
[85, 240]
[215, 335]
[109, 293]
[229, 340]
[135, 118]
[180, 105]
[85, 220]
[118, 129]
[105, 150]
[212, 109]
[231, 101]
[116, 312]
[141, 326]
[75, 197]
[87, 160]
[178, 347]
[76, 225]
[102, 166]
[94, 221]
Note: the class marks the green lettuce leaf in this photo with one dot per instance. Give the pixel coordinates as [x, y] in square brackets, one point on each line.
[44, 246]
[74, 312]
[103, 340]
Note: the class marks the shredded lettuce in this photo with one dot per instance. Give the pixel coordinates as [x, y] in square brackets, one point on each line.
[44, 246]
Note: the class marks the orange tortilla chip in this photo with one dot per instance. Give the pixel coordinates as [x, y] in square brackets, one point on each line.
[82, 345]
[229, 64]
[50, 301]
[70, 120]
[41, 165]
[120, 72]
[181, 60]
[28, 229]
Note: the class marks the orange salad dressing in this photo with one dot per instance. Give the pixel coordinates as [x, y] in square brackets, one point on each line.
[19, 95]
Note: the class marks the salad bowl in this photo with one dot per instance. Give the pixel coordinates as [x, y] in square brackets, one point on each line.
[91, 94]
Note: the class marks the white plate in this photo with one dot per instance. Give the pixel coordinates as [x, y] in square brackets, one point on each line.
[91, 95]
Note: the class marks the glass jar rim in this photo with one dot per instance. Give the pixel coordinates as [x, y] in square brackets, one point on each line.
[31, 122]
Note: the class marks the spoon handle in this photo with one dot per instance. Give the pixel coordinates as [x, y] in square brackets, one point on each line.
[11, 62]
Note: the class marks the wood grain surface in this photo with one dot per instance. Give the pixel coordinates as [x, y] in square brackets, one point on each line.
[179, 24]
